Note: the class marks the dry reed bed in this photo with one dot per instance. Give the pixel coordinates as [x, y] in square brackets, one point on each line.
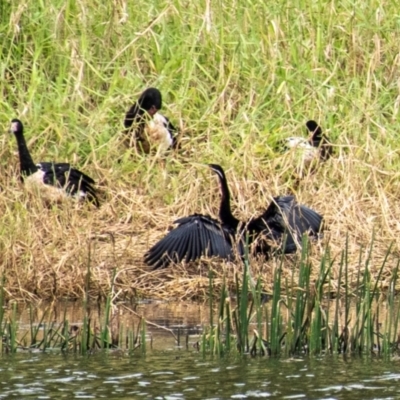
[249, 76]
[47, 251]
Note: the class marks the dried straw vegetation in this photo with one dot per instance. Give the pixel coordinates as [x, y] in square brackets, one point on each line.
[236, 78]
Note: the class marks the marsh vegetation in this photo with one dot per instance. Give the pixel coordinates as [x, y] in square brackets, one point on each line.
[237, 78]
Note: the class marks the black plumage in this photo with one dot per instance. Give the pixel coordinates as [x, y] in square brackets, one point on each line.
[200, 235]
[56, 180]
[146, 127]
[317, 146]
[319, 140]
[195, 236]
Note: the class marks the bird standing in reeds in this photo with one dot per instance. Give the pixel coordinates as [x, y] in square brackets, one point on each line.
[146, 128]
[309, 151]
[200, 235]
[55, 181]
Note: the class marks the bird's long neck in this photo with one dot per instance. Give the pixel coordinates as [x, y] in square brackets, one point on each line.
[320, 140]
[136, 114]
[225, 213]
[27, 165]
[317, 137]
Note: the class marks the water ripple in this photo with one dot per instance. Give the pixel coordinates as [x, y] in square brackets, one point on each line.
[187, 376]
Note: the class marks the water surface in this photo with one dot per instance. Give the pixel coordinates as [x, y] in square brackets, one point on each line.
[169, 371]
[186, 375]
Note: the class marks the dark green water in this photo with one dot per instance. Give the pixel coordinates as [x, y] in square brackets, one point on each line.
[185, 375]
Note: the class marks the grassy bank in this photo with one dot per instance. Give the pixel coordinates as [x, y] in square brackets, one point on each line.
[236, 77]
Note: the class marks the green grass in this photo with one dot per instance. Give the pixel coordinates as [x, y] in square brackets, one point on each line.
[71, 69]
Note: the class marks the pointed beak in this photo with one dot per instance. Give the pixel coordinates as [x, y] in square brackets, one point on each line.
[13, 127]
[152, 110]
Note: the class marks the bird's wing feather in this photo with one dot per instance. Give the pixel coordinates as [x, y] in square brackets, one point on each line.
[65, 169]
[307, 219]
[170, 127]
[284, 215]
[195, 236]
[173, 131]
[272, 218]
[71, 179]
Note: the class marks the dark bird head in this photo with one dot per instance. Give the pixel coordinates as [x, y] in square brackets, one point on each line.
[150, 100]
[218, 170]
[318, 139]
[16, 126]
[316, 132]
[223, 184]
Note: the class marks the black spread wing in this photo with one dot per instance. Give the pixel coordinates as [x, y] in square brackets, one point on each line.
[195, 236]
[285, 216]
[70, 179]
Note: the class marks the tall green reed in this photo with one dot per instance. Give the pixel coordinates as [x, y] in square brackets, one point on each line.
[305, 315]
[45, 334]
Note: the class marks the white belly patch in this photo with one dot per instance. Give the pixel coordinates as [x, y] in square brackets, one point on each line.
[158, 134]
[34, 183]
[305, 149]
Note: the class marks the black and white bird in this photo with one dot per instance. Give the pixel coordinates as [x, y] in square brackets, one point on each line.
[200, 235]
[314, 148]
[146, 127]
[54, 180]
